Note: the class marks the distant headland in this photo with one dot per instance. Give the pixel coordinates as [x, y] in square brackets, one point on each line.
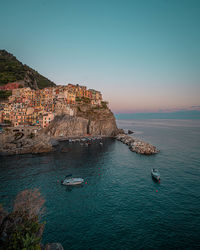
[183, 115]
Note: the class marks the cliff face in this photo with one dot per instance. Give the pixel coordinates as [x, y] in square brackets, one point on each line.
[88, 120]
[65, 125]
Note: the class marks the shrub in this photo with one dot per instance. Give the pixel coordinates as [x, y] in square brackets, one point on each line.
[21, 228]
[7, 122]
[24, 235]
[31, 135]
[4, 94]
[104, 105]
[78, 99]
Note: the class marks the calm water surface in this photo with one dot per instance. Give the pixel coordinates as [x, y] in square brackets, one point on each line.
[119, 206]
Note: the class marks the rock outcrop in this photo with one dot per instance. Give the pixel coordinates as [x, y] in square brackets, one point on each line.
[130, 132]
[88, 121]
[101, 121]
[67, 126]
[53, 246]
[30, 80]
[10, 144]
[137, 145]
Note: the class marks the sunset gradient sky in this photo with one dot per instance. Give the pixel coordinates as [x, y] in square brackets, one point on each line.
[144, 55]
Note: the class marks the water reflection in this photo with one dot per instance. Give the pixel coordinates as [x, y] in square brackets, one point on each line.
[70, 188]
[155, 181]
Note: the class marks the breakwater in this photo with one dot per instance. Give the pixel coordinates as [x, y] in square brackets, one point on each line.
[136, 145]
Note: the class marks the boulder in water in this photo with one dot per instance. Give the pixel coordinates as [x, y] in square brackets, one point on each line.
[130, 132]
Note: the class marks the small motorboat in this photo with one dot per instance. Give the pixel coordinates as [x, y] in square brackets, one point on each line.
[155, 174]
[69, 181]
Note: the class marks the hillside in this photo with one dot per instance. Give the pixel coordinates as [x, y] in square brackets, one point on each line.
[12, 70]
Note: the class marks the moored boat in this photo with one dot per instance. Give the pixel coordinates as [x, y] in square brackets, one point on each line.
[155, 174]
[72, 181]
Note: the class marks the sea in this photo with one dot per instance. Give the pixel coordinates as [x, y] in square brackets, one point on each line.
[119, 205]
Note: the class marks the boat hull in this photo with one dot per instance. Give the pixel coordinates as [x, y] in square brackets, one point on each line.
[155, 177]
[73, 181]
[73, 184]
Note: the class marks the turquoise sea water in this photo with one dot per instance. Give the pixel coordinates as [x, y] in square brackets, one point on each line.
[120, 207]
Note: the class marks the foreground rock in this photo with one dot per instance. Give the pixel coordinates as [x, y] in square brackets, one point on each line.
[137, 145]
[53, 246]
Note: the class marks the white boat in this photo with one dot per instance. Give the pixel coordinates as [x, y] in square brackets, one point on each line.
[155, 174]
[72, 181]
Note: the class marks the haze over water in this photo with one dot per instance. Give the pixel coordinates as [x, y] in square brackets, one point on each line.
[120, 207]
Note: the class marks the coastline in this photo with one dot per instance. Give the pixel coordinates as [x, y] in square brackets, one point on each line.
[44, 144]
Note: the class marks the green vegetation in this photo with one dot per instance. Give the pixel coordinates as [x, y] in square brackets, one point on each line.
[31, 135]
[95, 107]
[78, 99]
[24, 234]
[7, 122]
[21, 228]
[85, 100]
[12, 70]
[4, 94]
[104, 105]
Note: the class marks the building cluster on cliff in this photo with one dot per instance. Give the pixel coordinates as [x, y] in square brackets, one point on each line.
[27, 107]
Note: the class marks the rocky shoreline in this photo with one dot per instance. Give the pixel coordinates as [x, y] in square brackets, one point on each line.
[88, 124]
[46, 144]
[137, 145]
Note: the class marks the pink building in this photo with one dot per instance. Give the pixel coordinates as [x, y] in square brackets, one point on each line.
[46, 119]
[10, 86]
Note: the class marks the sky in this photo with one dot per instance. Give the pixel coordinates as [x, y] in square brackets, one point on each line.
[143, 55]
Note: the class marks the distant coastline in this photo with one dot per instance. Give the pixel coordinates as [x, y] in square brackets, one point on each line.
[185, 115]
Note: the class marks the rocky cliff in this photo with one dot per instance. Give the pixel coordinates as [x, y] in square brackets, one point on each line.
[88, 120]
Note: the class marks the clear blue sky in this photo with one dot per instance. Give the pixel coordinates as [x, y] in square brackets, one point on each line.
[143, 55]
